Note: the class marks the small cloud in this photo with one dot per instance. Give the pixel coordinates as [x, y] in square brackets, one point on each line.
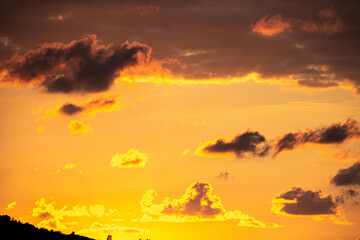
[300, 46]
[97, 227]
[347, 176]
[77, 127]
[299, 202]
[69, 166]
[97, 209]
[200, 123]
[185, 152]
[348, 194]
[66, 166]
[11, 205]
[223, 175]
[132, 159]
[326, 21]
[333, 134]
[100, 104]
[252, 143]
[53, 218]
[5, 41]
[40, 129]
[188, 53]
[60, 17]
[270, 26]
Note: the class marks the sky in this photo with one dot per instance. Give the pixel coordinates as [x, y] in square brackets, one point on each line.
[182, 119]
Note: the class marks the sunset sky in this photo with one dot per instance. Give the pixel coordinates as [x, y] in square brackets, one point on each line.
[194, 120]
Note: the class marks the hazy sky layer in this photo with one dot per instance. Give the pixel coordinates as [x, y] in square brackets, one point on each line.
[182, 119]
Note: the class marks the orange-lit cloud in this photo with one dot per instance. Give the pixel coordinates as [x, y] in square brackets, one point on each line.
[269, 26]
[331, 22]
[197, 204]
[77, 127]
[132, 159]
[97, 227]
[60, 17]
[326, 21]
[11, 205]
[154, 71]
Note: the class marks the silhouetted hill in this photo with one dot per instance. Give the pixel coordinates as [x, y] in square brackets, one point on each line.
[11, 229]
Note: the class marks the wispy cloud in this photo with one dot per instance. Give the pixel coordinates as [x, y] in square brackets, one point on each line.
[132, 159]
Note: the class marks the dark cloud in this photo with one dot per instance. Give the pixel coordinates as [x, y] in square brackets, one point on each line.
[348, 176]
[246, 143]
[335, 133]
[95, 104]
[70, 109]
[346, 195]
[306, 203]
[255, 144]
[81, 66]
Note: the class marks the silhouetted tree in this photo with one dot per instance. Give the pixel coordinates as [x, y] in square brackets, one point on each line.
[11, 229]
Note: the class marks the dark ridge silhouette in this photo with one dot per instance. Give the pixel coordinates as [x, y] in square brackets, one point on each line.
[15, 230]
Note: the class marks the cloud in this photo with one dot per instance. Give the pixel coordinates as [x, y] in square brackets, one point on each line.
[97, 227]
[97, 209]
[66, 166]
[52, 218]
[11, 205]
[40, 129]
[300, 202]
[82, 66]
[248, 143]
[304, 202]
[77, 127]
[58, 218]
[347, 176]
[255, 144]
[197, 204]
[346, 195]
[327, 21]
[269, 26]
[132, 159]
[93, 106]
[333, 134]
[223, 175]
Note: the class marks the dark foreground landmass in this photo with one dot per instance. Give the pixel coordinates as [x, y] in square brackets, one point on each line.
[11, 229]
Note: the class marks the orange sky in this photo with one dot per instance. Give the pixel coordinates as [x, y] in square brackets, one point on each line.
[182, 132]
